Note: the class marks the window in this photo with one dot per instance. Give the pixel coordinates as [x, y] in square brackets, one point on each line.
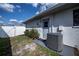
[76, 17]
[46, 24]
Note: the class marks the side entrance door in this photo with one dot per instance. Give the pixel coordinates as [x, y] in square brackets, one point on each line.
[45, 27]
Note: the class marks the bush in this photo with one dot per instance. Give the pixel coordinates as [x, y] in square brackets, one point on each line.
[33, 33]
[27, 33]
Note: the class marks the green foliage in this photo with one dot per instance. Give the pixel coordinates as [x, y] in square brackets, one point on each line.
[33, 33]
[12, 45]
[27, 32]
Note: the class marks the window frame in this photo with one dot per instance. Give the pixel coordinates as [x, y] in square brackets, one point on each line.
[46, 20]
[74, 11]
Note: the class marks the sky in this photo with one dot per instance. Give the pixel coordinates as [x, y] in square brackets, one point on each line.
[17, 11]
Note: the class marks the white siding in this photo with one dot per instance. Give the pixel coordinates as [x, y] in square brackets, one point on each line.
[70, 34]
[71, 37]
[10, 31]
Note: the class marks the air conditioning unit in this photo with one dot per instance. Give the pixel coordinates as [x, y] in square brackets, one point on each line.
[55, 41]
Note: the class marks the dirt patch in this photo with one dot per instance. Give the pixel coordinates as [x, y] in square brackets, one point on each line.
[29, 47]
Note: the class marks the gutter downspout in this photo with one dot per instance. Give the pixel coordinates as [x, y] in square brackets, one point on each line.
[51, 21]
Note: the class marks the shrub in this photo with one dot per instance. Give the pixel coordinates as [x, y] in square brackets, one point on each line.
[33, 33]
[26, 32]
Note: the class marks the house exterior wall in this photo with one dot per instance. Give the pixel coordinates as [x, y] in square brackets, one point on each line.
[36, 24]
[70, 33]
[64, 19]
[11, 31]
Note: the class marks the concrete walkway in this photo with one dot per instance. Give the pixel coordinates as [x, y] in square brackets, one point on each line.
[67, 51]
[40, 42]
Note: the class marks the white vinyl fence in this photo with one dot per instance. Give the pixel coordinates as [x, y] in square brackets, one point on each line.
[11, 31]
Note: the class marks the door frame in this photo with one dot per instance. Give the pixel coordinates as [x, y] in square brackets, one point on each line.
[45, 20]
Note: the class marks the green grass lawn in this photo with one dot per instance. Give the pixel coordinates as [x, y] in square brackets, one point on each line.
[5, 46]
[10, 46]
